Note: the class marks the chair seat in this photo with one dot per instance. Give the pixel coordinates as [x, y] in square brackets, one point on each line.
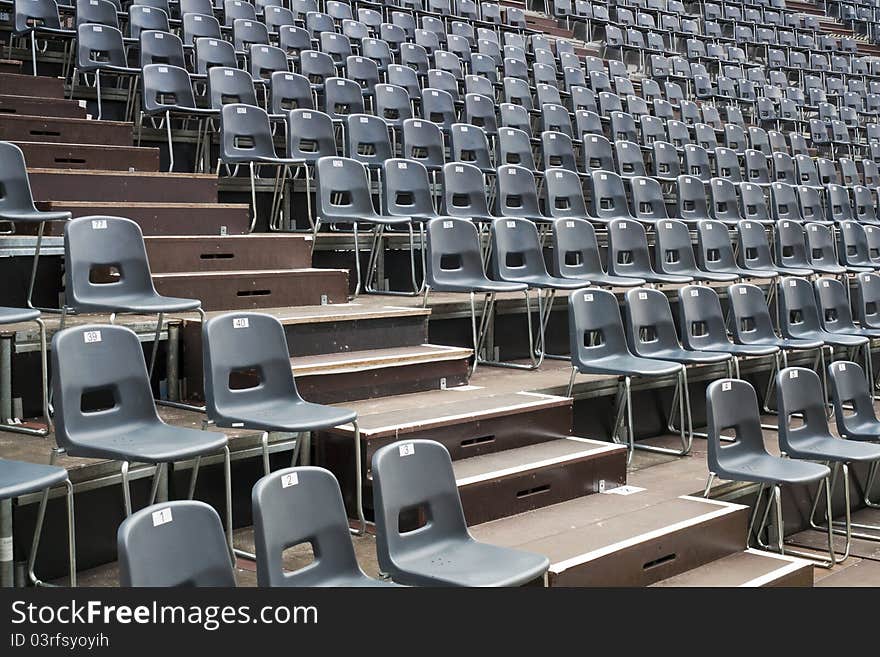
[829, 448]
[715, 276]
[794, 271]
[687, 356]
[20, 478]
[861, 430]
[834, 270]
[292, 416]
[33, 215]
[478, 284]
[628, 365]
[344, 580]
[155, 442]
[859, 331]
[15, 315]
[597, 278]
[370, 219]
[549, 281]
[759, 273]
[177, 109]
[768, 469]
[469, 563]
[139, 304]
[741, 349]
[844, 339]
[655, 277]
[788, 343]
[110, 68]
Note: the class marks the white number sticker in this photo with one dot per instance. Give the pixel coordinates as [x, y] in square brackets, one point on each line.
[725, 386]
[240, 322]
[162, 517]
[99, 224]
[290, 479]
[407, 449]
[91, 336]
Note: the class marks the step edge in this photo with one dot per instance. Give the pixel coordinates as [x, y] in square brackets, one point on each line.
[727, 508]
[361, 365]
[538, 465]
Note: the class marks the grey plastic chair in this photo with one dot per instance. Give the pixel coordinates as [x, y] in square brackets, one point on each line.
[468, 143]
[852, 248]
[418, 474]
[96, 243]
[731, 405]
[304, 505]
[175, 544]
[17, 203]
[576, 254]
[454, 263]
[101, 49]
[517, 194]
[867, 301]
[800, 393]
[254, 342]
[715, 252]
[104, 409]
[596, 312]
[33, 19]
[464, 193]
[754, 251]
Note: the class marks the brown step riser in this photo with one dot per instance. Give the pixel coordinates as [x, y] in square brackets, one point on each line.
[463, 439]
[30, 106]
[801, 578]
[10, 66]
[207, 220]
[67, 131]
[514, 494]
[251, 291]
[219, 254]
[28, 85]
[472, 438]
[673, 553]
[47, 155]
[140, 189]
[382, 382]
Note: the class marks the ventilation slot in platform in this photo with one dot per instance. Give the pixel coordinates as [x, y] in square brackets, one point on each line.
[216, 256]
[478, 442]
[669, 558]
[531, 492]
[69, 160]
[253, 293]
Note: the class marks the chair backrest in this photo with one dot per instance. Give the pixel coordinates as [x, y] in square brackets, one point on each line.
[99, 45]
[406, 189]
[367, 139]
[725, 202]
[820, 245]
[174, 544]
[298, 506]
[15, 187]
[343, 189]
[470, 144]
[166, 86]
[849, 388]
[749, 316]
[100, 383]
[784, 202]
[438, 107]
[464, 191]
[799, 315]
[852, 249]
[609, 196]
[161, 48]
[692, 205]
[392, 104]
[575, 250]
[598, 154]
[839, 207]
[106, 261]
[514, 147]
[833, 301]
[868, 299]
[595, 327]
[714, 250]
[517, 194]
[230, 86]
[647, 199]
[310, 135]
[649, 324]
[290, 91]
[628, 248]
[211, 52]
[700, 318]
[41, 13]
[423, 141]
[732, 404]
[245, 133]
[343, 98]
[557, 150]
[454, 254]
[564, 194]
[673, 251]
[246, 361]
[516, 250]
[754, 248]
[409, 476]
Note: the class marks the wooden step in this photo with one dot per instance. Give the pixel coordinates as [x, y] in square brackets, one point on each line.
[851, 573]
[748, 569]
[50, 155]
[341, 377]
[162, 218]
[63, 130]
[240, 290]
[623, 540]
[189, 253]
[517, 480]
[470, 421]
[27, 85]
[327, 329]
[36, 106]
[136, 186]
[10, 66]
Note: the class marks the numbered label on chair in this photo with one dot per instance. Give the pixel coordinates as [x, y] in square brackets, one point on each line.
[240, 322]
[290, 479]
[569, 224]
[793, 374]
[643, 295]
[725, 387]
[824, 283]
[511, 224]
[841, 367]
[91, 336]
[588, 297]
[447, 224]
[742, 290]
[407, 449]
[162, 517]
[99, 224]
[241, 110]
[695, 293]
